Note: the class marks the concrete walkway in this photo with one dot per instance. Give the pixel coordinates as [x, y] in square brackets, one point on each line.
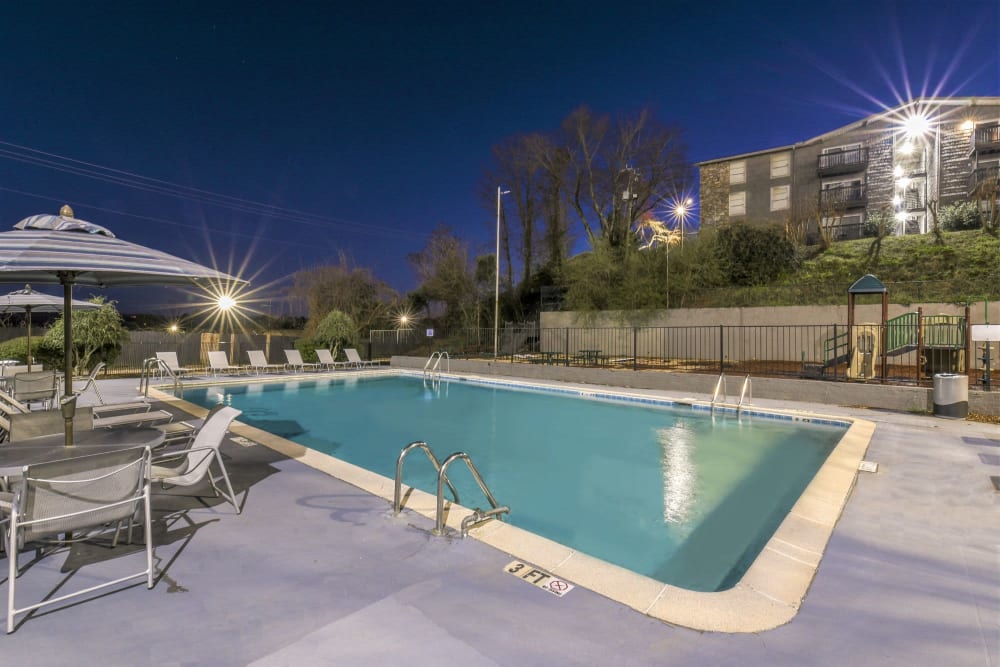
[315, 572]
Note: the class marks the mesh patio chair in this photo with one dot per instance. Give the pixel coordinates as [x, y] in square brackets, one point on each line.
[35, 386]
[192, 466]
[92, 494]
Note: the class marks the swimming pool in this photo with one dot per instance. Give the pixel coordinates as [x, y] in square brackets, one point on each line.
[670, 493]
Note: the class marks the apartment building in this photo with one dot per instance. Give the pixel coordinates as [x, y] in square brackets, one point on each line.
[930, 151]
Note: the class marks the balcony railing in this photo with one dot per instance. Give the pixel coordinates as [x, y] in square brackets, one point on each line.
[842, 162]
[986, 139]
[978, 177]
[845, 196]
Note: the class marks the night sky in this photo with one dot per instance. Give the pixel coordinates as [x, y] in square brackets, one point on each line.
[288, 132]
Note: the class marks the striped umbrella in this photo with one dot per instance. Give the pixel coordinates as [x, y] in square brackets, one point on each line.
[29, 301]
[62, 249]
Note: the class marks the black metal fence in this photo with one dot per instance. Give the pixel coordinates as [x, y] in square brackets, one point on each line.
[905, 351]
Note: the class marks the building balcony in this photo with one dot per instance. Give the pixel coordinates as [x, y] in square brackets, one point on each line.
[983, 175]
[848, 161]
[845, 196]
[986, 139]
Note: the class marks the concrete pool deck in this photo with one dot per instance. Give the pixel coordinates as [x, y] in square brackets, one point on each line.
[317, 571]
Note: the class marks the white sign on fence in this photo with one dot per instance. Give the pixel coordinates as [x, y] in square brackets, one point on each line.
[989, 333]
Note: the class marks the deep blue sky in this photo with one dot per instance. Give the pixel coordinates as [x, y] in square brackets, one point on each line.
[377, 120]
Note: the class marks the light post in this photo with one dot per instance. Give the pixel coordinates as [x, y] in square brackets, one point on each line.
[681, 210]
[496, 279]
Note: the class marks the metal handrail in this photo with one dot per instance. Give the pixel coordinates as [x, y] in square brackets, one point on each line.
[745, 391]
[160, 365]
[436, 357]
[443, 478]
[720, 385]
[397, 491]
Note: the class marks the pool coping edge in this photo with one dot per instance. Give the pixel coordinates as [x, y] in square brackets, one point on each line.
[767, 596]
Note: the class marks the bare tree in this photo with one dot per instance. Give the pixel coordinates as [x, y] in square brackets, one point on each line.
[446, 276]
[619, 170]
[533, 168]
[347, 288]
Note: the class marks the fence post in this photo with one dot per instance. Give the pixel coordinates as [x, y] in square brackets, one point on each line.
[722, 350]
[836, 353]
[635, 348]
[566, 356]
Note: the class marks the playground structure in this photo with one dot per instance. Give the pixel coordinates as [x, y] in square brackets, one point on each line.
[941, 342]
[938, 340]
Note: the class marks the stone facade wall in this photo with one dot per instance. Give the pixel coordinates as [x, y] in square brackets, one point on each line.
[714, 204]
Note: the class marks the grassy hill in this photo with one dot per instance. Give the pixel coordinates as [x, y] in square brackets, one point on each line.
[914, 268]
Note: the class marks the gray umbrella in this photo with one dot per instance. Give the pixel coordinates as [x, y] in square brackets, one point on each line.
[29, 301]
[62, 249]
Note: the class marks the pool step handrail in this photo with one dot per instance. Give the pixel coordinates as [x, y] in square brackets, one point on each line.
[397, 497]
[478, 515]
[720, 386]
[745, 392]
[155, 364]
[433, 365]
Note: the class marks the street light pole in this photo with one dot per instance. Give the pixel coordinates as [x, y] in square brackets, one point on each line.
[496, 280]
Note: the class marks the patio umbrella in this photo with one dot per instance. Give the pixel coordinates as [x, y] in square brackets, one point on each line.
[62, 249]
[29, 301]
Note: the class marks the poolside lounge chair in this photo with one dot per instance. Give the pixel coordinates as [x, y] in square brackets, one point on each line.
[295, 361]
[170, 359]
[78, 494]
[191, 466]
[354, 359]
[218, 362]
[258, 362]
[326, 359]
[90, 382]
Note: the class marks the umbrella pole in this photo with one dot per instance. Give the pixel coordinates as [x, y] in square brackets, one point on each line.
[68, 403]
[27, 314]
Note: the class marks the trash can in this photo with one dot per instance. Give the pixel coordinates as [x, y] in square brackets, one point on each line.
[951, 395]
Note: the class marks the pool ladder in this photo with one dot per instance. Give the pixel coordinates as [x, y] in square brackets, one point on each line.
[746, 393]
[157, 365]
[477, 515]
[433, 366]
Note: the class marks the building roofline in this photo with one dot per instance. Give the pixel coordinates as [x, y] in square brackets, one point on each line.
[882, 115]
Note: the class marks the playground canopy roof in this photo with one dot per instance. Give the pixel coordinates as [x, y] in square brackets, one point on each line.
[867, 284]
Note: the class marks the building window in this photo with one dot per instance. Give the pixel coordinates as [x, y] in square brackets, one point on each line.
[779, 197]
[781, 165]
[738, 172]
[737, 203]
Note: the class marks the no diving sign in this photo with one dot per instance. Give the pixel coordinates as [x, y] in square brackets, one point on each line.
[539, 578]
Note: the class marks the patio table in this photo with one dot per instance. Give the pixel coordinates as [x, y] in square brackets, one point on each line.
[16, 454]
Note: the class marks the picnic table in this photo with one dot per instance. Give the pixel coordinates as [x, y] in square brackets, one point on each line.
[16, 454]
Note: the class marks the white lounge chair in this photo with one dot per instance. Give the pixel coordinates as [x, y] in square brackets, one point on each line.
[218, 362]
[295, 361]
[170, 359]
[189, 467]
[326, 359]
[258, 362]
[354, 359]
[72, 495]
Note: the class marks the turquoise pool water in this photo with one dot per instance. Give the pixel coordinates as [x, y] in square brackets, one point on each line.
[671, 493]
